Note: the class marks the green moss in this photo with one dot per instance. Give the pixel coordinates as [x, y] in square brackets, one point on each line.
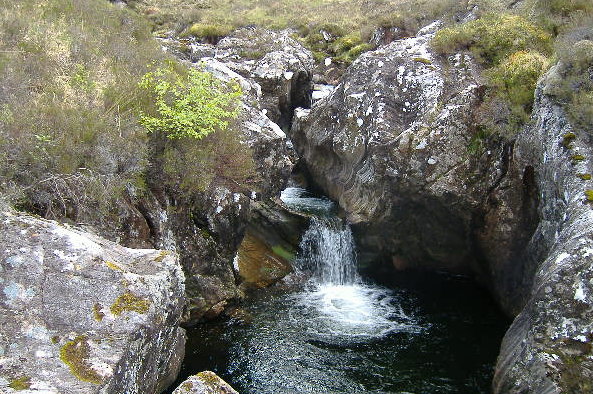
[585, 176]
[75, 355]
[22, 383]
[97, 312]
[285, 254]
[209, 378]
[422, 60]
[589, 195]
[55, 339]
[113, 266]
[577, 158]
[129, 302]
[567, 140]
[161, 256]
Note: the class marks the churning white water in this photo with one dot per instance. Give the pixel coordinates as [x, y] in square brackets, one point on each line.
[337, 302]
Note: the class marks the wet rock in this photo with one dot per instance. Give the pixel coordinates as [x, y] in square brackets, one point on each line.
[261, 265]
[549, 348]
[206, 382]
[82, 314]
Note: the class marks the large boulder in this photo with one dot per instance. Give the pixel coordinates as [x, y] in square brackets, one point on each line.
[80, 314]
[549, 347]
[392, 145]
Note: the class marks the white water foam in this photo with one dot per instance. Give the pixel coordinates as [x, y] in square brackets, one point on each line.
[337, 302]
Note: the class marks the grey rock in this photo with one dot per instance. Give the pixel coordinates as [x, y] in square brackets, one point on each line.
[206, 382]
[548, 348]
[80, 314]
[390, 144]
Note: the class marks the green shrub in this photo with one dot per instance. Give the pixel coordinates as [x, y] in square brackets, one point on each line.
[208, 32]
[192, 104]
[515, 80]
[493, 38]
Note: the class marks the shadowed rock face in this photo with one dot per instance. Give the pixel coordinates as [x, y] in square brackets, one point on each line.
[80, 314]
[549, 345]
[390, 144]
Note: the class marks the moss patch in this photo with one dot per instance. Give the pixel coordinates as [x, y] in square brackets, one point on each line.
[113, 266]
[585, 176]
[129, 302]
[161, 256]
[577, 158]
[22, 383]
[567, 140]
[75, 355]
[280, 251]
[97, 312]
[422, 60]
[589, 195]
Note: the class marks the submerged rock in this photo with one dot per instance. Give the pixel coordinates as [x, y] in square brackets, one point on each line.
[80, 314]
[206, 382]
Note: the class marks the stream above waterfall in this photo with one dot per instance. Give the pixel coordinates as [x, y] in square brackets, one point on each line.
[341, 332]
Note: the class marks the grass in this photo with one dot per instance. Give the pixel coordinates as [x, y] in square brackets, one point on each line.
[71, 140]
[339, 29]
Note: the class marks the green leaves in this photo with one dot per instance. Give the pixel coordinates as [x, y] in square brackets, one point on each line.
[189, 104]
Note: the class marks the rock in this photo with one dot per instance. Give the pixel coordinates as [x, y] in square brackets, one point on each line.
[277, 62]
[390, 144]
[549, 347]
[206, 382]
[279, 65]
[261, 265]
[80, 314]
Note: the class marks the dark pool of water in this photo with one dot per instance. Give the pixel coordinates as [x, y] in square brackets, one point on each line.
[416, 333]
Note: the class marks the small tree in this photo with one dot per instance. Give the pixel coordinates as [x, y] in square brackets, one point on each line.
[189, 103]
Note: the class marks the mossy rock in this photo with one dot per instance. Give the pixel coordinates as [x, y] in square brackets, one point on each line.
[129, 302]
[75, 355]
[22, 383]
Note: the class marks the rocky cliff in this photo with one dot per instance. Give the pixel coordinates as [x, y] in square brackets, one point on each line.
[80, 314]
[548, 347]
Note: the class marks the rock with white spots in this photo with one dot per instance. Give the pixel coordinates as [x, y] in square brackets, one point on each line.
[549, 347]
[80, 314]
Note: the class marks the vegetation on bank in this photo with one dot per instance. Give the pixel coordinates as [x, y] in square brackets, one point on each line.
[516, 47]
[75, 108]
[339, 29]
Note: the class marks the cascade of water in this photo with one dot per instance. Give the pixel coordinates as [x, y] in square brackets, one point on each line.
[328, 248]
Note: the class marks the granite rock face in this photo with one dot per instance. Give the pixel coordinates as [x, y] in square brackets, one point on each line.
[80, 314]
[395, 145]
[549, 347]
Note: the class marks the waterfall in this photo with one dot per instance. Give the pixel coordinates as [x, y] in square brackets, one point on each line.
[327, 248]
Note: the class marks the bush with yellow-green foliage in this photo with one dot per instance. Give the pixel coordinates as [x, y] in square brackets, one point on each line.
[192, 122]
[493, 37]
